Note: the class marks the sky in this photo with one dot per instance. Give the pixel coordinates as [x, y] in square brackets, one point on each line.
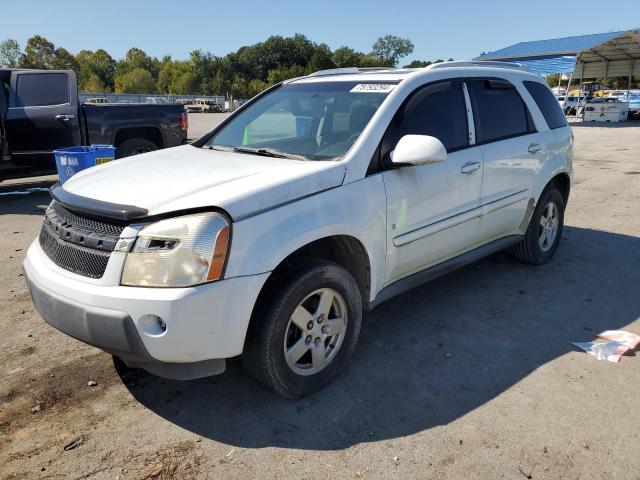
[442, 29]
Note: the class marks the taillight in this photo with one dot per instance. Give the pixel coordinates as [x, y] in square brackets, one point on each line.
[184, 121]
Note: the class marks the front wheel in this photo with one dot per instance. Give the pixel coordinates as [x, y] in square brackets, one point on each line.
[545, 229]
[305, 335]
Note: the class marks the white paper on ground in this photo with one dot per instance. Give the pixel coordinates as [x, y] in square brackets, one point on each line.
[629, 339]
[611, 351]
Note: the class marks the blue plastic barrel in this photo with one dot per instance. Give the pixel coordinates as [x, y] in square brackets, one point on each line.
[70, 161]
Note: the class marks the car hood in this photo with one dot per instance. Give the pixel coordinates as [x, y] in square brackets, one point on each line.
[189, 177]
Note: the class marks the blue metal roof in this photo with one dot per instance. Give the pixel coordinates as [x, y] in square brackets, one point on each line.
[552, 47]
[547, 65]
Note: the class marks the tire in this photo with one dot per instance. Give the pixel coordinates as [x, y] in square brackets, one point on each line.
[536, 248]
[321, 355]
[135, 146]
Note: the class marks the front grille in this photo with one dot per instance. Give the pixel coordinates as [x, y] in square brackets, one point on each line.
[87, 223]
[78, 243]
[84, 261]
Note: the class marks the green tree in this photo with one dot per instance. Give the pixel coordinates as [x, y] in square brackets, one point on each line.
[418, 64]
[204, 69]
[240, 87]
[63, 60]
[98, 63]
[177, 77]
[391, 48]
[255, 87]
[553, 79]
[9, 53]
[280, 74]
[346, 57]
[137, 80]
[38, 53]
[321, 59]
[93, 84]
[138, 59]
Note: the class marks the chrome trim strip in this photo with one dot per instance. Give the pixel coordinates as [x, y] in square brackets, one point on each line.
[438, 226]
[507, 200]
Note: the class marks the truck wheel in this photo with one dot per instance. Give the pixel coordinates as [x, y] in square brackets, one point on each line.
[304, 336]
[545, 229]
[135, 146]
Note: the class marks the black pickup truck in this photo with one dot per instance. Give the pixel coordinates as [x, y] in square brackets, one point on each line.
[40, 112]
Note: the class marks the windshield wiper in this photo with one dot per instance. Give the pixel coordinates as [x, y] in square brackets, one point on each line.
[220, 148]
[268, 152]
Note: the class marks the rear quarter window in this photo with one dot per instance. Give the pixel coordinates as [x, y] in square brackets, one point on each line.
[499, 111]
[42, 89]
[547, 104]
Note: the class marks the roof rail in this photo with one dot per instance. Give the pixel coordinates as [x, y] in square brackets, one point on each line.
[477, 63]
[348, 71]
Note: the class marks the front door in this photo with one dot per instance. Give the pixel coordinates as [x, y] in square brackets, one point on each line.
[42, 116]
[433, 211]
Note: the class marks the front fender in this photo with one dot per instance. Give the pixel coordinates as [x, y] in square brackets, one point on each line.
[261, 242]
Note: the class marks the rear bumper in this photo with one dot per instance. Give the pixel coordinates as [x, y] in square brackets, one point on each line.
[204, 324]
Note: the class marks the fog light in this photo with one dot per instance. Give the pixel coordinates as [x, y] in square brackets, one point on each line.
[153, 325]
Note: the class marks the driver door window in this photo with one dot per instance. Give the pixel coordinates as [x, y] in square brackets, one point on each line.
[437, 110]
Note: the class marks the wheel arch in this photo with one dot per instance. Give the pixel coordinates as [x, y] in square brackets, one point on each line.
[562, 181]
[153, 134]
[344, 250]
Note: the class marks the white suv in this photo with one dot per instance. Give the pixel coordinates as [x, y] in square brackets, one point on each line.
[316, 201]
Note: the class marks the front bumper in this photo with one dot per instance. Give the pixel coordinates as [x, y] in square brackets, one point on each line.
[204, 324]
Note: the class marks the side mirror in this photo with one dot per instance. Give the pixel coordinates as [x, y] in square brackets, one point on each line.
[418, 150]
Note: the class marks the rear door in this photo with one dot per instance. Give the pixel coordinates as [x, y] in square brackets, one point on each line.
[513, 153]
[42, 116]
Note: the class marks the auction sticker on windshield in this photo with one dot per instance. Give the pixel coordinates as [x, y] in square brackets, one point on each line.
[373, 88]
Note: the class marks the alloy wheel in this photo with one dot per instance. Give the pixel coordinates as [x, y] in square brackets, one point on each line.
[315, 331]
[548, 227]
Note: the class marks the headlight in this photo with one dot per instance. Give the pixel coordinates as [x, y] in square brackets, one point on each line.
[178, 252]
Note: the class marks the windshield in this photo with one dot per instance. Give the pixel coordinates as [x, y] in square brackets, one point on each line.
[308, 121]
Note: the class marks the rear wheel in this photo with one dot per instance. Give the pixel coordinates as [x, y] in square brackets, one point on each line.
[545, 229]
[304, 337]
[135, 146]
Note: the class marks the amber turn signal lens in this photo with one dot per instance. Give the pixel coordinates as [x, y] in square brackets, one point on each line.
[219, 255]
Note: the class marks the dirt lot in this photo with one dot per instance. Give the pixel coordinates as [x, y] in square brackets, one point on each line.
[471, 376]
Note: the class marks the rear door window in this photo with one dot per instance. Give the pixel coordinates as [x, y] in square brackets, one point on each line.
[547, 104]
[42, 89]
[498, 110]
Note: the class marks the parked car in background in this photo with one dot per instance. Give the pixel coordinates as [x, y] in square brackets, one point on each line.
[156, 100]
[616, 93]
[96, 100]
[40, 112]
[634, 104]
[569, 104]
[184, 101]
[319, 199]
[203, 105]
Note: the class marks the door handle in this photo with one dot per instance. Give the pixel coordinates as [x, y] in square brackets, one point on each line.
[65, 118]
[534, 147]
[470, 167]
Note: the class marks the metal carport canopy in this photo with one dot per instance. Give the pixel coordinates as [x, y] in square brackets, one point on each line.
[611, 54]
[618, 57]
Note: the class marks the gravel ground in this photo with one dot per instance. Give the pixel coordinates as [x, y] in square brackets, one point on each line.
[470, 376]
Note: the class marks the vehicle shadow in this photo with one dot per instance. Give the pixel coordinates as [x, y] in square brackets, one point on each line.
[427, 357]
[28, 196]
